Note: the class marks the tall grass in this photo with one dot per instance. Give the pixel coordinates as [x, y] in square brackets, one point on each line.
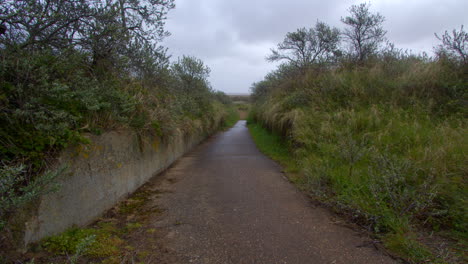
[270, 144]
[384, 143]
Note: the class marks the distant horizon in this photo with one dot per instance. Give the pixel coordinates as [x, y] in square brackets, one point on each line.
[237, 94]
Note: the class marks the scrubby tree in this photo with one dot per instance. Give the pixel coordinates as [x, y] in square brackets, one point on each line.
[365, 32]
[124, 26]
[32, 24]
[49, 83]
[260, 90]
[191, 72]
[192, 85]
[28, 22]
[304, 47]
[454, 45]
[104, 29]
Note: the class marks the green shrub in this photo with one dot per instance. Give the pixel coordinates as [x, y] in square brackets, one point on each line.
[14, 194]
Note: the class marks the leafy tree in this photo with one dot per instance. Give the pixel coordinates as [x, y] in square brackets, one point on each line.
[121, 27]
[144, 19]
[304, 47]
[192, 73]
[48, 23]
[286, 71]
[192, 84]
[51, 87]
[109, 30]
[364, 32]
[148, 61]
[454, 45]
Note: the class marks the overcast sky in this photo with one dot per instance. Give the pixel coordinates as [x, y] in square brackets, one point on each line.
[233, 37]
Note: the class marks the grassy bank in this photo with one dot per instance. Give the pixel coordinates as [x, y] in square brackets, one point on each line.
[383, 144]
[379, 190]
[376, 133]
[271, 144]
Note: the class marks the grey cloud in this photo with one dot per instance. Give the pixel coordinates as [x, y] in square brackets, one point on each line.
[269, 20]
[235, 75]
[233, 37]
[415, 21]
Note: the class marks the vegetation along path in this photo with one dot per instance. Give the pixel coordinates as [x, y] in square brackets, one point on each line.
[226, 202]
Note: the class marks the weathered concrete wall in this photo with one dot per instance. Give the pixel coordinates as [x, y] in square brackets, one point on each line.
[100, 174]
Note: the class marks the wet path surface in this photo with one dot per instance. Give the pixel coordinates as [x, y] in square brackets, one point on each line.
[225, 202]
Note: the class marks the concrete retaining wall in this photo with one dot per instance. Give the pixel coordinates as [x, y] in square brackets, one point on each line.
[100, 174]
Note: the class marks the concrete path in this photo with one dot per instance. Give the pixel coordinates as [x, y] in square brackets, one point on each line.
[228, 203]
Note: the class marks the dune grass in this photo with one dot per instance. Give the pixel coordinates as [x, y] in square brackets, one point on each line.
[383, 144]
[270, 144]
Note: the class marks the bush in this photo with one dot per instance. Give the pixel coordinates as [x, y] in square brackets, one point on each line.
[14, 193]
